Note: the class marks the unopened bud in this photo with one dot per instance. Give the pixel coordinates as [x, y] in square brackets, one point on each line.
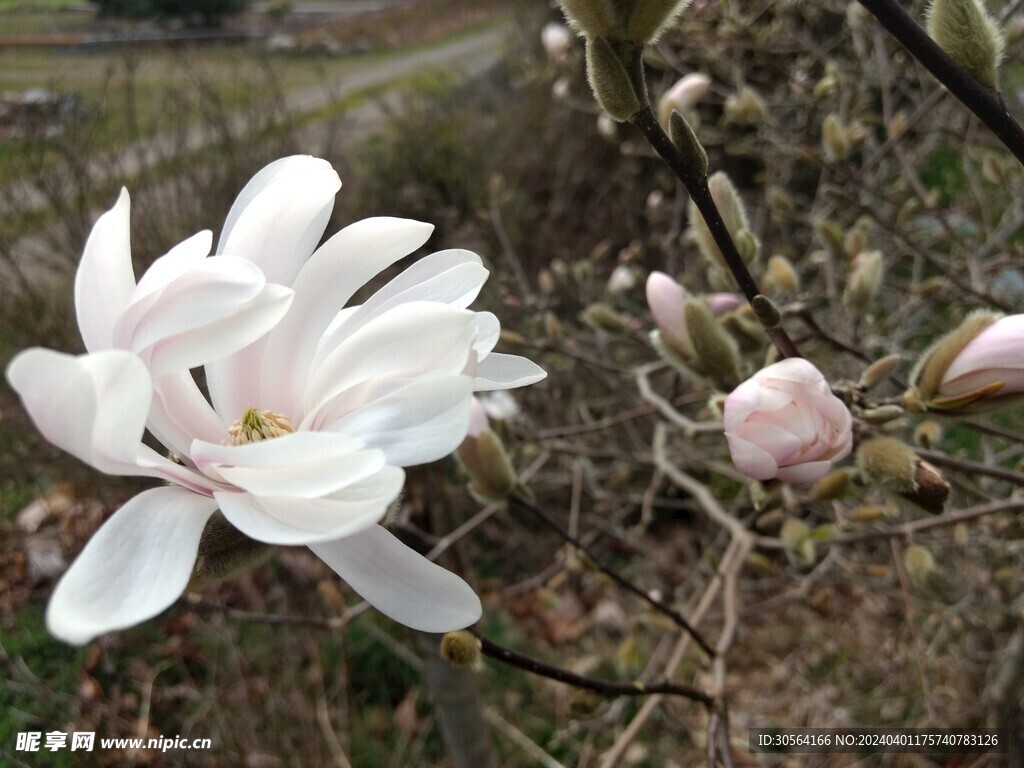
[781, 275]
[972, 38]
[715, 351]
[867, 513]
[778, 199]
[461, 649]
[834, 138]
[877, 372]
[854, 241]
[930, 371]
[928, 433]
[864, 281]
[650, 19]
[797, 543]
[686, 142]
[594, 19]
[552, 326]
[609, 80]
[919, 562]
[746, 107]
[224, 551]
[834, 485]
[600, 315]
[992, 170]
[893, 465]
[766, 312]
[883, 414]
[730, 207]
[747, 245]
[831, 235]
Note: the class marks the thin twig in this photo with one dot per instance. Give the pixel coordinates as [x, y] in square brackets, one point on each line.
[518, 502]
[609, 687]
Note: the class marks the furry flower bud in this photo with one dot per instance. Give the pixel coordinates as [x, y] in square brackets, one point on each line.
[483, 456]
[834, 138]
[688, 144]
[972, 38]
[892, 465]
[609, 80]
[864, 281]
[683, 96]
[734, 214]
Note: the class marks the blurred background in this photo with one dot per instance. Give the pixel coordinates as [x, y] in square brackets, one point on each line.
[453, 112]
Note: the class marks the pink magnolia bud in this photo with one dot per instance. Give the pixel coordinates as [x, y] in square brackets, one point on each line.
[995, 355]
[667, 300]
[785, 423]
[557, 41]
[720, 303]
[683, 96]
[477, 418]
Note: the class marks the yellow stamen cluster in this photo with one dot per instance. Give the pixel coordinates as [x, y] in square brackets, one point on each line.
[259, 424]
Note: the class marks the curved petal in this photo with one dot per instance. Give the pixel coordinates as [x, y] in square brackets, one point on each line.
[280, 216]
[810, 472]
[300, 464]
[453, 277]
[105, 278]
[180, 414]
[92, 406]
[488, 332]
[328, 280]
[410, 339]
[186, 255]
[284, 520]
[750, 460]
[400, 583]
[423, 421]
[497, 371]
[135, 566]
[235, 331]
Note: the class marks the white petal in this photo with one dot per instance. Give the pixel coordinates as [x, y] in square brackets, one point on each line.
[300, 464]
[93, 406]
[235, 331]
[328, 280]
[488, 331]
[180, 414]
[135, 566]
[410, 339]
[185, 256]
[421, 422]
[280, 216]
[400, 583]
[105, 278]
[497, 371]
[283, 520]
[453, 277]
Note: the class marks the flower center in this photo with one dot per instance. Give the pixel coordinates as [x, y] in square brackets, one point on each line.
[259, 424]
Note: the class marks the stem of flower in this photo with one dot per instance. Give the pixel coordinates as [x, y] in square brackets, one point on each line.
[512, 658]
[985, 103]
[697, 186]
[518, 502]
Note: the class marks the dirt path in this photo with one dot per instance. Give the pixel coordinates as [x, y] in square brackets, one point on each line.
[467, 54]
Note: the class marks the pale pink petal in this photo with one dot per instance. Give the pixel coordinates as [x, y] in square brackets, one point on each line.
[667, 301]
[185, 256]
[811, 472]
[477, 418]
[751, 460]
[400, 583]
[180, 414]
[135, 566]
[105, 278]
[996, 354]
[777, 441]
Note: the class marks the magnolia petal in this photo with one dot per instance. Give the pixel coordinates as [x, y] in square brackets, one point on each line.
[92, 406]
[279, 217]
[996, 354]
[187, 255]
[328, 280]
[400, 583]
[809, 472]
[410, 339]
[133, 568]
[291, 521]
[300, 464]
[180, 414]
[421, 422]
[775, 440]
[497, 371]
[230, 333]
[751, 460]
[488, 332]
[105, 278]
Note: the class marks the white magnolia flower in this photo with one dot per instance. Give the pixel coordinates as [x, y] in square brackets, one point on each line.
[315, 406]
